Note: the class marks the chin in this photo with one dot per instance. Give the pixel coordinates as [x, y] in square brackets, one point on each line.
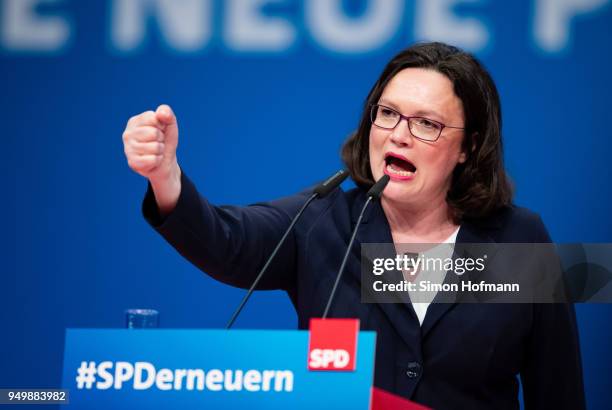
[397, 193]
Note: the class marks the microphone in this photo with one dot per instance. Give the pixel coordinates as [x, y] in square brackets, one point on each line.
[322, 190]
[376, 191]
[373, 195]
[331, 183]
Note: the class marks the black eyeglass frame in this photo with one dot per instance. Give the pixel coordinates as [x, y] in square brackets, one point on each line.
[374, 108]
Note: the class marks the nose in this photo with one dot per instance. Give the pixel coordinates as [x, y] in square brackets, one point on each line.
[401, 134]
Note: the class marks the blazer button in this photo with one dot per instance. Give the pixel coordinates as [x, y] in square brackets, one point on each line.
[414, 370]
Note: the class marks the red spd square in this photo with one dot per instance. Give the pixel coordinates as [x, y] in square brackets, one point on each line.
[333, 344]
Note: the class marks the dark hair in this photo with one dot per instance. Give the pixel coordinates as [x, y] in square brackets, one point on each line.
[479, 185]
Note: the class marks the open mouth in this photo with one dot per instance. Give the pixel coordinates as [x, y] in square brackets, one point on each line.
[399, 166]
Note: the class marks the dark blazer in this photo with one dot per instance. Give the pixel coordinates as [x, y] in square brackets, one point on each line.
[463, 356]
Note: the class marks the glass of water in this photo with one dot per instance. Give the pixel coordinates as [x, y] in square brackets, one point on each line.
[141, 318]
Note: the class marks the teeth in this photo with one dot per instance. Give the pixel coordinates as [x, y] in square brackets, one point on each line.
[400, 172]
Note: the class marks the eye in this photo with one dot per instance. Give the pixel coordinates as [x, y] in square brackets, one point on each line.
[387, 112]
[425, 123]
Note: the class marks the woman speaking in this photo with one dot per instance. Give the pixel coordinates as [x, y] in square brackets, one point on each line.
[432, 123]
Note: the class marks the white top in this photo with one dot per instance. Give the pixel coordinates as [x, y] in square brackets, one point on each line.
[444, 250]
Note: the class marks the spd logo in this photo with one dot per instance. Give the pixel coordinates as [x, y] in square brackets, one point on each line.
[333, 344]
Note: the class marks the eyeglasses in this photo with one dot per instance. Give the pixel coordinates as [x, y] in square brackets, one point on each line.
[420, 127]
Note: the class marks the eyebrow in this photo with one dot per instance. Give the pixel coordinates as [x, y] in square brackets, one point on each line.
[425, 113]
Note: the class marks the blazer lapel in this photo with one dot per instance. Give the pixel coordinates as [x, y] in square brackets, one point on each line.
[468, 233]
[375, 229]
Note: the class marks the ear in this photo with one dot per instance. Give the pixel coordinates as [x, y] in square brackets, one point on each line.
[463, 155]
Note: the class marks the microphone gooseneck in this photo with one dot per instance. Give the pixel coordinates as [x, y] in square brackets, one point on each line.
[373, 195]
[320, 191]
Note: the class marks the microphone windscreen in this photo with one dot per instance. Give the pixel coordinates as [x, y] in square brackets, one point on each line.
[376, 191]
[331, 183]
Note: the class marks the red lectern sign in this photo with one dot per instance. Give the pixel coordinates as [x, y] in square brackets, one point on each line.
[333, 344]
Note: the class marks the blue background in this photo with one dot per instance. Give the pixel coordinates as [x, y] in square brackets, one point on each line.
[253, 126]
